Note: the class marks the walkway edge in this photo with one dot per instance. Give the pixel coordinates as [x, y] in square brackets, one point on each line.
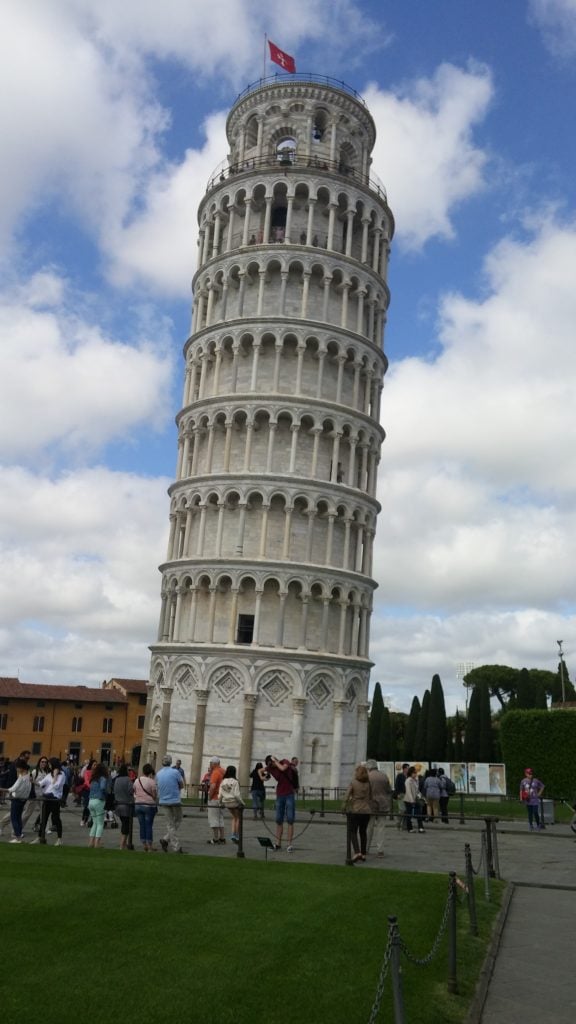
[481, 992]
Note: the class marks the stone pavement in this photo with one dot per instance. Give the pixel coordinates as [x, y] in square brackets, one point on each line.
[532, 978]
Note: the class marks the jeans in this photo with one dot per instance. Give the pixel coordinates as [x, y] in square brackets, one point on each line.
[96, 808]
[533, 815]
[16, 808]
[145, 814]
[413, 810]
[257, 801]
[285, 808]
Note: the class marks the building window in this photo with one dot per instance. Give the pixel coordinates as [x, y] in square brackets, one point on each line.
[142, 699]
[2, 747]
[40, 703]
[78, 705]
[36, 748]
[106, 752]
[141, 721]
[106, 725]
[77, 723]
[109, 707]
[74, 752]
[38, 725]
[3, 722]
[245, 633]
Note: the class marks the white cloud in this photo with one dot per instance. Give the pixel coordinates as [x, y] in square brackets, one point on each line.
[425, 153]
[557, 21]
[63, 382]
[79, 589]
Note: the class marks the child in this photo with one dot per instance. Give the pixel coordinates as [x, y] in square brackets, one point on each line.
[230, 797]
[19, 793]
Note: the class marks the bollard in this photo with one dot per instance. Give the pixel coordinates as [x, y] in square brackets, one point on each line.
[239, 846]
[486, 869]
[322, 802]
[489, 854]
[349, 860]
[462, 819]
[471, 890]
[452, 978]
[495, 859]
[395, 970]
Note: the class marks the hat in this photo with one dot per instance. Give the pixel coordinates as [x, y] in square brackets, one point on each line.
[214, 760]
[371, 764]
[166, 760]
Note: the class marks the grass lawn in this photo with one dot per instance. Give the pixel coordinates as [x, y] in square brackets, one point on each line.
[99, 936]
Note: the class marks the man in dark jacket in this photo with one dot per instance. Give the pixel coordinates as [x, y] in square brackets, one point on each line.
[399, 792]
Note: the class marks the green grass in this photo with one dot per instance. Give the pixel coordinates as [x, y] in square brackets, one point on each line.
[100, 936]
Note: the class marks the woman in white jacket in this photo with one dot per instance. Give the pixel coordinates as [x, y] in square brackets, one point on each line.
[412, 800]
[231, 798]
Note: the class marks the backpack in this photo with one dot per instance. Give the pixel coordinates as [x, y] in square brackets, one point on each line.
[450, 786]
[294, 778]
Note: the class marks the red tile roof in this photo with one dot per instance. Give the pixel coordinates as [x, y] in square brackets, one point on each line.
[10, 687]
[130, 685]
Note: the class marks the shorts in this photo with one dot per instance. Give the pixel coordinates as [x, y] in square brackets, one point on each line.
[285, 808]
[215, 815]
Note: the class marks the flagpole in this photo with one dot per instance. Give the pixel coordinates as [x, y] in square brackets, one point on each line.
[264, 61]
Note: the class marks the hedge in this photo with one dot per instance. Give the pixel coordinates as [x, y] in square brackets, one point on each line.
[544, 741]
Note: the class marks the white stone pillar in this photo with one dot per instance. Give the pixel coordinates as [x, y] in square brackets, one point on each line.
[337, 728]
[298, 709]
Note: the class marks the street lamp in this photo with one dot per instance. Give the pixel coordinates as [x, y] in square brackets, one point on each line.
[561, 653]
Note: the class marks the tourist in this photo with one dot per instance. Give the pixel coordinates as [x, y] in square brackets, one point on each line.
[283, 772]
[258, 790]
[447, 789]
[531, 790]
[169, 784]
[19, 792]
[399, 794]
[146, 806]
[34, 805]
[231, 798]
[86, 775]
[97, 802]
[123, 791]
[412, 801]
[215, 816]
[8, 777]
[358, 806]
[381, 805]
[51, 788]
[432, 792]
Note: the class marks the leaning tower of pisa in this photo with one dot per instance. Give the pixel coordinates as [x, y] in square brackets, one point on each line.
[263, 643]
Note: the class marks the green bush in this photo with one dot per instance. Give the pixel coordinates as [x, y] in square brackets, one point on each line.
[544, 741]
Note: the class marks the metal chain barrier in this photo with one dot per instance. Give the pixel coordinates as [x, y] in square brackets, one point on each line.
[272, 832]
[382, 977]
[476, 871]
[425, 960]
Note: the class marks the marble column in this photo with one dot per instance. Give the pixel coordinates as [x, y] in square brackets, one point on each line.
[198, 741]
[244, 761]
[337, 729]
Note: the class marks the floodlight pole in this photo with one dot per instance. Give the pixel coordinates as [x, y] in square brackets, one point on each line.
[562, 683]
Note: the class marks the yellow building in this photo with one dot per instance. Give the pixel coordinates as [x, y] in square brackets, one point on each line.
[76, 722]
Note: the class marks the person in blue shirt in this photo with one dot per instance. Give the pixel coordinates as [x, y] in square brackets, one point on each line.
[169, 783]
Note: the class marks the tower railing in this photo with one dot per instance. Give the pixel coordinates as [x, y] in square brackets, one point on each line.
[289, 160]
[304, 76]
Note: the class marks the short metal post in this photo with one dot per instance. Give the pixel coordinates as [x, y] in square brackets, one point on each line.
[471, 891]
[348, 840]
[495, 860]
[489, 855]
[396, 970]
[486, 869]
[322, 802]
[452, 979]
[462, 819]
[239, 846]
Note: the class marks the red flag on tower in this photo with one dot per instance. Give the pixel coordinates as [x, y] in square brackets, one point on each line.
[283, 59]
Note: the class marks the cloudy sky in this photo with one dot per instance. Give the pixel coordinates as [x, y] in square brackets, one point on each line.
[112, 119]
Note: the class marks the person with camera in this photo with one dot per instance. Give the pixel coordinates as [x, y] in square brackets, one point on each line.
[283, 772]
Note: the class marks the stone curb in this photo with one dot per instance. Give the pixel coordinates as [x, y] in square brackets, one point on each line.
[476, 1008]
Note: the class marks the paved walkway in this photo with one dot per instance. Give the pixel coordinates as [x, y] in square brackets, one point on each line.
[533, 978]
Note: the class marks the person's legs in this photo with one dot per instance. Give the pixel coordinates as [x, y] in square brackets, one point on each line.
[378, 826]
[149, 824]
[56, 819]
[408, 810]
[280, 812]
[363, 820]
[174, 816]
[530, 810]
[44, 820]
[140, 812]
[444, 809]
[353, 819]
[290, 815]
[96, 811]
[16, 808]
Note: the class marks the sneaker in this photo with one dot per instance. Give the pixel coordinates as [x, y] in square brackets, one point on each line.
[16, 840]
[213, 842]
[276, 846]
[221, 842]
[58, 843]
[421, 830]
[34, 841]
[48, 831]
[234, 839]
[164, 845]
[289, 849]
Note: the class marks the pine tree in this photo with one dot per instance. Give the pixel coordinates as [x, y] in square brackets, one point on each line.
[437, 729]
[374, 722]
[421, 738]
[411, 729]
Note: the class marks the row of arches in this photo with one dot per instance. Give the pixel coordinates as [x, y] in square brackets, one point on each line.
[280, 528]
[252, 439]
[304, 289]
[222, 608]
[300, 212]
[326, 369]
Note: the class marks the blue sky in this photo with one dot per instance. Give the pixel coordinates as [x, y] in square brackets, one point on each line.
[112, 119]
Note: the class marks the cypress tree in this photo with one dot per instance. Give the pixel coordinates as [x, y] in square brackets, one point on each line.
[384, 737]
[525, 691]
[472, 736]
[458, 749]
[437, 728]
[394, 727]
[486, 742]
[374, 722]
[411, 729]
[421, 738]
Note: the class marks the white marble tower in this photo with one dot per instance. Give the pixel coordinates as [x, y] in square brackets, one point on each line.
[263, 644]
